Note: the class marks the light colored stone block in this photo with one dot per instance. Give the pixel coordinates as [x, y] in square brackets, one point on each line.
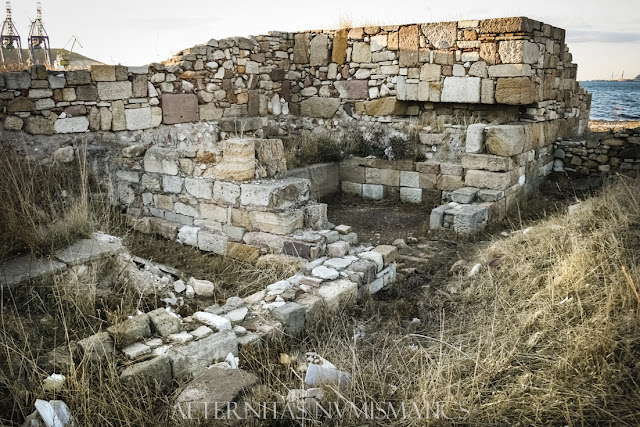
[409, 179]
[489, 180]
[109, 91]
[372, 191]
[510, 70]
[213, 242]
[281, 223]
[200, 188]
[71, 125]
[518, 52]
[505, 140]
[474, 142]
[138, 118]
[411, 195]
[461, 90]
[226, 193]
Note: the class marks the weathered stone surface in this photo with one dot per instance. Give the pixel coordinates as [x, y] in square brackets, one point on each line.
[24, 268]
[470, 219]
[87, 250]
[194, 358]
[79, 77]
[319, 50]
[319, 107]
[238, 161]
[38, 125]
[138, 118]
[164, 323]
[269, 241]
[72, 125]
[118, 121]
[277, 222]
[389, 106]
[461, 90]
[203, 288]
[430, 72]
[441, 35]
[337, 292]
[388, 252]
[64, 155]
[301, 48]
[518, 24]
[213, 242]
[487, 162]
[474, 142]
[136, 350]
[518, 52]
[181, 108]
[17, 80]
[361, 52]
[157, 370]
[13, 123]
[490, 180]
[353, 89]
[339, 52]
[270, 158]
[103, 73]
[98, 347]
[505, 140]
[21, 104]
[209, 112]
[516, 91]
[131, 330]
[215, 388]
[292, 316]
[408, 42]
[510, 70]
[109, 91]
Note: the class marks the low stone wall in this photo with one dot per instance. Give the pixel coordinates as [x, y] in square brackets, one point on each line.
[610, 153]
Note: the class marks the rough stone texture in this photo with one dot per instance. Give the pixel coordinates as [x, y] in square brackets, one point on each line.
[337, 292]
[164, 323]
[238, 161]
[518, 52]
[157, 370]
[71, 125]
[339, 51]
[21, 269]
[109, 91]
[353, 89]
[292, 316]
[389, 106]
[474, 142]
[213, 242]
[301, 48]
[505, 140]
[131, 330]
[215, 386]
[181, 108]
[319, 50]
[461, 90]
[516, 91]
[487, 162]
[319, 107]
[270, 158]
[194, 358]
[138, 118]
[490, 180]
[87, 250]
[470, 219]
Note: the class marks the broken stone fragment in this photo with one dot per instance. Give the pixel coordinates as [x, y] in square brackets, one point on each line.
[202, 287]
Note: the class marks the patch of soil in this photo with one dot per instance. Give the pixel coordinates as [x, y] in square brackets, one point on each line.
[380, 221]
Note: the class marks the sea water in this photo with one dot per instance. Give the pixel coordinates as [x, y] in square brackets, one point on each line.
[614, 100]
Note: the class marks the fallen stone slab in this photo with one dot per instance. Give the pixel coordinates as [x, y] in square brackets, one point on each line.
[156, 370]
[215, 385]
[325, 273]
[87, 250]
[292, 317]
[131, 330]
[192, 359]
[163, 322]
[336, 292]
[26, 268]
[98, 347]
[136, 349]
[210, 319]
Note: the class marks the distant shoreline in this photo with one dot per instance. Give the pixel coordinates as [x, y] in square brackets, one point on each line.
[612, 125]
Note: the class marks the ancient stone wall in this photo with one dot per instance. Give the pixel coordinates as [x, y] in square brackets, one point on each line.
[486, 99]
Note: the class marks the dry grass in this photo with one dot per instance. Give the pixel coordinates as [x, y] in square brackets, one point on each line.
[548, 335]
[44, 207]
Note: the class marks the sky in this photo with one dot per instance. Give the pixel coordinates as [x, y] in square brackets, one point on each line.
[603, 36]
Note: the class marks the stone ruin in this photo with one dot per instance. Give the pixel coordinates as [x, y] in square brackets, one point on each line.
[487, 98]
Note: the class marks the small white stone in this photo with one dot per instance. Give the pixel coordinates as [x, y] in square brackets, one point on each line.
[326, 273]
[179, 286]
[180, 337]
[136, 349]
[218, 322]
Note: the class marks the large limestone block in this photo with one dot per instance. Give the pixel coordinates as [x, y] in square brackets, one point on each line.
[280, 223]
[474, 142]
[518, 52]
[389, 106]
[138, 118]
[270, 158]
[490, 180]
[118, 120]
[150, 371]
[279, 194]
[319, 107]
[361, 52]
[336, 293]
[339, 52]
[301, 48]
[213, 242]
[516, 91]
[161, 160]
[319, 50]
[441, 34]
[518, 24]
[191, 360]
[487, 162]
[238, 161]
[461, 90]
[210, 112]
[38, 125]
[408, 43]
[430, 72]
[506, 140]
[72, 125]
[510, 70]
[111, 91]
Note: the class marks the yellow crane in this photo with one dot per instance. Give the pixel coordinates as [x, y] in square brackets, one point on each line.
[66, 55]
